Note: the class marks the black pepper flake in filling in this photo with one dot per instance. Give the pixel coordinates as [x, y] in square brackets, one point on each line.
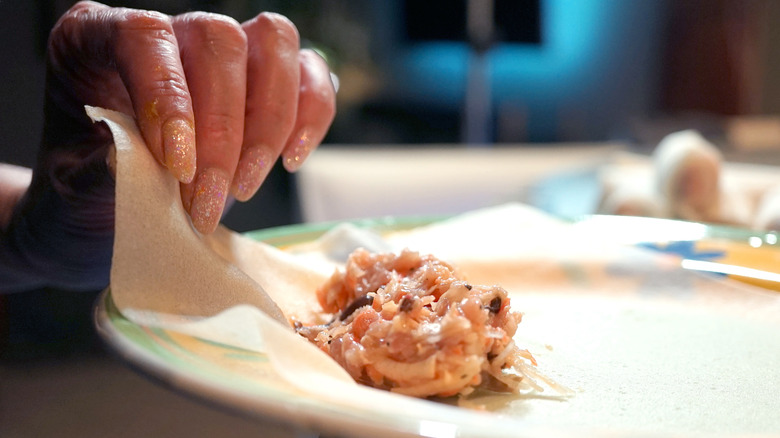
[468, 286]
[406, 303]
[365, 300]
[495, 305]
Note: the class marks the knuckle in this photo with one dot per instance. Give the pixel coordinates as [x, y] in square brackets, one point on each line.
[72, 33]
[81, 6]
[171, 88]
[136, 20]
[73, 17]
[278, 27]
[214, 29]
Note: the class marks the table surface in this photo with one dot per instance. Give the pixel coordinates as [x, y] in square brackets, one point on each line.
[97, 396]
[58, 379]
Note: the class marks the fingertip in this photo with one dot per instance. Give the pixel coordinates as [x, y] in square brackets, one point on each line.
[298, 148]
[208, 200]
[179, 149]
[252, 170]
[316, 110]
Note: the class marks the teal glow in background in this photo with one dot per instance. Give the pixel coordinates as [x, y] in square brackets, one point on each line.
[594, 68]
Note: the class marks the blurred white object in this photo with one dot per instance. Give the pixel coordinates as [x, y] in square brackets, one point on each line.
[687, 178]
[687, 170]
[349, 183]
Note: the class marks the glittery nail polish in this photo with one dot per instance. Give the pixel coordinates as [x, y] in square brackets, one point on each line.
[179, 149]
[208, 199]
[253, 168]
[296, 152]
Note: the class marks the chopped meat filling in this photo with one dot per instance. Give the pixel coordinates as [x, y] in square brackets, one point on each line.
[410, 324]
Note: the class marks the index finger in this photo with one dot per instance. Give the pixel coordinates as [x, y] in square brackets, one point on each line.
[147, 57]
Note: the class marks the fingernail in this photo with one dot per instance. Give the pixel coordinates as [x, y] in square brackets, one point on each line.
[179, 149]
[252, 170]
[296, 153]
[208, 200]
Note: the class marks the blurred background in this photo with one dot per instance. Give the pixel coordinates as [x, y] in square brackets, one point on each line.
[465, 73]
[453, 73]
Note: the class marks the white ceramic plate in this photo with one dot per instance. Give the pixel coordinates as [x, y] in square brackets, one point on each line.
[648, 347]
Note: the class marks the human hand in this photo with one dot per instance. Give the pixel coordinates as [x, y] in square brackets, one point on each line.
[217, 103]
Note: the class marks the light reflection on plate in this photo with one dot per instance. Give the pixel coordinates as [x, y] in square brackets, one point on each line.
[622, 325]
[746, 255]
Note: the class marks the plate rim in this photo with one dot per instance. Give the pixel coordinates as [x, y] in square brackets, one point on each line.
[264, 407]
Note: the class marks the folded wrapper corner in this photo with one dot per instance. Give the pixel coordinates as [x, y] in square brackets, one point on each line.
[223, 287]
[161, 264]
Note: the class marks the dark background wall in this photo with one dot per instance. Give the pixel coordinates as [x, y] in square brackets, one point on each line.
[592, 70]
